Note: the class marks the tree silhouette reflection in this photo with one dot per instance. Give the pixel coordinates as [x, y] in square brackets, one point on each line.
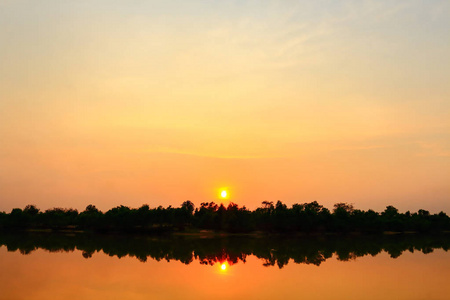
[273, 250]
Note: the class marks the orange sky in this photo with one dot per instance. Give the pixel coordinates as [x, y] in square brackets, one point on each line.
[150, 102]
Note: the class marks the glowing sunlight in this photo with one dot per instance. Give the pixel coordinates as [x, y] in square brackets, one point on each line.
[223, 267]
[224, 193]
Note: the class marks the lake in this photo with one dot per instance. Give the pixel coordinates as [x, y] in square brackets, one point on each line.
[85, 266]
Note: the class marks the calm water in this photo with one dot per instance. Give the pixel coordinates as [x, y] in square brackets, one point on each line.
[43, 266]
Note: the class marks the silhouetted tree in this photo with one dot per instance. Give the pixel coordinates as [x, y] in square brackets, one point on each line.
[306, 218]
[273, 251]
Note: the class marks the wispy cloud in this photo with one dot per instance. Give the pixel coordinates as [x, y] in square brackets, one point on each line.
[433, 149]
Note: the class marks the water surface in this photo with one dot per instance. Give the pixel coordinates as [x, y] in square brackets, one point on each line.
[55, 266]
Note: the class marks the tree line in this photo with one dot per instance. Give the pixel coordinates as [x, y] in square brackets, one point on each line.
[273, 251]
[269, 217]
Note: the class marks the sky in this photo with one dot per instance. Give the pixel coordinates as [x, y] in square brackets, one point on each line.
[158, 102]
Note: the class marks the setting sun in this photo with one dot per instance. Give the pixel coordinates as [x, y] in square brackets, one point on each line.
[223, 194]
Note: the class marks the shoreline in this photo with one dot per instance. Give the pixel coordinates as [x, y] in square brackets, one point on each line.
[219, 234]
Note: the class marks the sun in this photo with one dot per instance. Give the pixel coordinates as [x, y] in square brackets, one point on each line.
[223, 194]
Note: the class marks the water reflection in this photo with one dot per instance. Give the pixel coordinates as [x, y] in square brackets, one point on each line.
[223, 266]
[272, 251]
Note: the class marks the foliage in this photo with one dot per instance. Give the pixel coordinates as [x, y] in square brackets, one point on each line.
[272, 251]
[300, 218]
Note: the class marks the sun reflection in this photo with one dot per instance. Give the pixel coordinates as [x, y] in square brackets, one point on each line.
[223, 266]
